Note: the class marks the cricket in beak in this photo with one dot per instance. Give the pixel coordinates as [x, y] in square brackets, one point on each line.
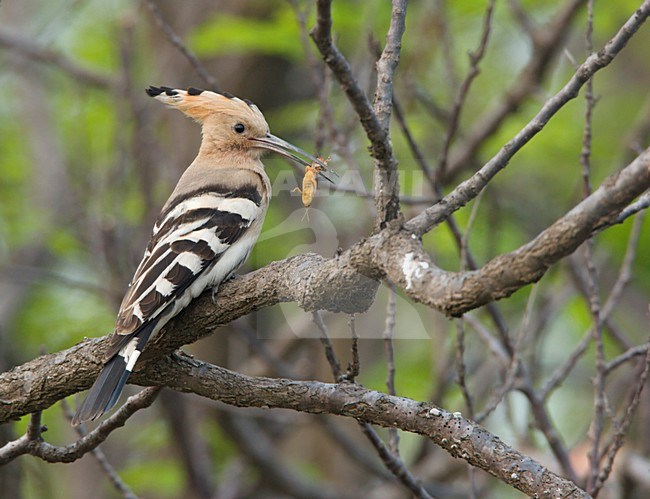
[276, 144]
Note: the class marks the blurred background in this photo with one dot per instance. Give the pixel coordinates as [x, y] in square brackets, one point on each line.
[87, 160]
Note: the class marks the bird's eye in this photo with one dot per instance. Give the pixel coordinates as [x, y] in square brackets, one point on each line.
[239, 128]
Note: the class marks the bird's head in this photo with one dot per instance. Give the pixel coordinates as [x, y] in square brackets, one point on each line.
[230, 125]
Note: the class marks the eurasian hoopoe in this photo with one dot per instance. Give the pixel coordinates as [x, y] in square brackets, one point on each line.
[206, 230]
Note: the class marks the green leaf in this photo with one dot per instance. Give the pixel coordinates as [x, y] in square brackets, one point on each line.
[234, 35]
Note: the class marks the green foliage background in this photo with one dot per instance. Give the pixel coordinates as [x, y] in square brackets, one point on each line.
[88, 249]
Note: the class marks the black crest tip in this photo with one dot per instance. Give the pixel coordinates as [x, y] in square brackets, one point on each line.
[194, 91]
[228, 95]
[169, 91]
[153, 91]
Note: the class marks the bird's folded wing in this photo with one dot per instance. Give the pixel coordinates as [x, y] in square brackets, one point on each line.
[188, 239]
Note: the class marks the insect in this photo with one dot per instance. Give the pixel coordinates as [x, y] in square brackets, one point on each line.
[310, 183]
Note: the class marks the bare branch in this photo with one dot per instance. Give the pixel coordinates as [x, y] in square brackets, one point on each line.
[177, 42]
[639, 205]
[547, 42]
[625, 272]
[354, 366]
[37, 53]
[258, 448]
[385, 172]
[593, 288]
[31, 442]
[394, 463]
[459, 436]
[623, 423]
[454, 118]
[390, 359]
[333, 361]
[470, 188]
[345, 283]
[390, 457]
[411, 268]
[461, 369]
[322, 36]
[100, 457]
[385, 164]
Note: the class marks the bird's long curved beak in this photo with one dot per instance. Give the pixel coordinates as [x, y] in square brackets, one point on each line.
[276, 144]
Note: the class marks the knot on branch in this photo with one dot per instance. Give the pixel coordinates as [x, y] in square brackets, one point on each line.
[344, 290]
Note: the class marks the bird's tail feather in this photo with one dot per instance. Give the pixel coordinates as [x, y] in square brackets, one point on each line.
[106, 390]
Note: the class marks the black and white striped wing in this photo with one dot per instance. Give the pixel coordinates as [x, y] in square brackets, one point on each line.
[189, 240]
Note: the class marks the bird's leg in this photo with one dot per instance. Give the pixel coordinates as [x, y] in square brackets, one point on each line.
[213, 296]
[215, 288]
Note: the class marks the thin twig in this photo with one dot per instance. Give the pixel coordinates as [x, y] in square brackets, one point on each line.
[53, 454]
[625, 272]
[387, 335]
[394, 463]
[561, 373]
[333, 361]
[494, 345]
[100, 457]
[470, 188]
[177, 42]
[466, 259]
[515, 364]
[626, 356]
[475, 58]
[461, 369]
[592, 279]
[355, 365]
[622, 425]
[547, 42]
[391, 459]
[544, 423]
[642, 203]
[29, 49]
[35, 428]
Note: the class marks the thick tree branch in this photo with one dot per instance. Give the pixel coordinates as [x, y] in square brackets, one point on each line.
[459, 436]
[311, 281]
[407, 265]
[345, 283]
